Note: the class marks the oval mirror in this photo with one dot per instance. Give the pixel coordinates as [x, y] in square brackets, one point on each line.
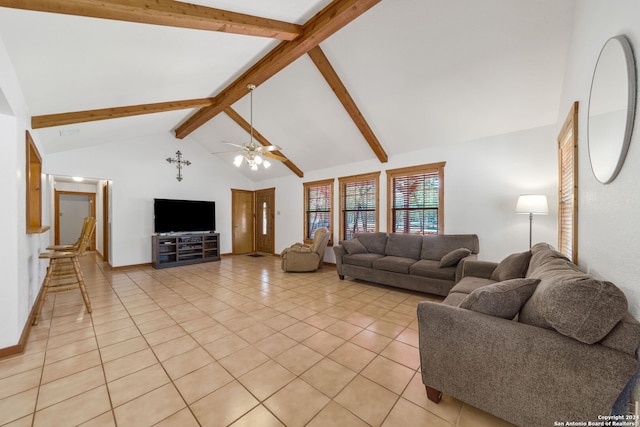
[611, 108]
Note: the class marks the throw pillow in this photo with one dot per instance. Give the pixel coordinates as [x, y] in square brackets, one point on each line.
[354, 246]
[454, 257]
[512, 267]
[502, 299]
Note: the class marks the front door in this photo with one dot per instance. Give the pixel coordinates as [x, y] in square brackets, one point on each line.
[265, 218]
[242, 221]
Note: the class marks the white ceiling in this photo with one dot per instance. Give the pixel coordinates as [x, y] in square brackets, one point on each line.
[423, 72]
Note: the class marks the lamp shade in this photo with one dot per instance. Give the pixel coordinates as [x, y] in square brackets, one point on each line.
[532, 204]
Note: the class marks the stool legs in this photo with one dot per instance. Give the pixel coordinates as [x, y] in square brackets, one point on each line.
[81, 284]
[59, 279]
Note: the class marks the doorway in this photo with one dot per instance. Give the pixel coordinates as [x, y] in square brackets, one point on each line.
[252, 221]
[71, 208]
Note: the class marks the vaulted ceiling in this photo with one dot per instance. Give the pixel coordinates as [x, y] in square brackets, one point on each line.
[337, 81]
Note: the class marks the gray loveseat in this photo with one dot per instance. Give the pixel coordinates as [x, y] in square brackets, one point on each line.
[431, 263]
[566, 356]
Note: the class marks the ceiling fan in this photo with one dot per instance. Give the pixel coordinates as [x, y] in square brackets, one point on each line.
[253, 152]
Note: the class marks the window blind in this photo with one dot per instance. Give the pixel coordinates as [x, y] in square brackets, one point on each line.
[416, 201]
[318, 208]
[358, 206]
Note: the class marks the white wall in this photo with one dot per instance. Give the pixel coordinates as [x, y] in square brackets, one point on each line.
[139, 173]
[483, 180]
[21, 270]
[608, 230]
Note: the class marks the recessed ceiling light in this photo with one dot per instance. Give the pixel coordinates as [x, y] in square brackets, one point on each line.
[67, 132]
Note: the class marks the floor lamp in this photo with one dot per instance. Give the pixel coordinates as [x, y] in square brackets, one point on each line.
[532, 204]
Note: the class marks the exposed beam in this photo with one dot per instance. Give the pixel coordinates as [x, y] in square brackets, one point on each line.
[329, 20]
[324, 66]
[165, 12]
[233, 114]
[60, 119]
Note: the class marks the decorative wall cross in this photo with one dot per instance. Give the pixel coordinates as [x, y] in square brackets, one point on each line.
[179, 162]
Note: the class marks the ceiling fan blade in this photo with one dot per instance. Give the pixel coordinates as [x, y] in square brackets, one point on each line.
[225, 152]
[234, 144]
[275, 156]
[267, 148]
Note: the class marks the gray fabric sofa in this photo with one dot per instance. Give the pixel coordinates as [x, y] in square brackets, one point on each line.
[553, 345]
[430, 263]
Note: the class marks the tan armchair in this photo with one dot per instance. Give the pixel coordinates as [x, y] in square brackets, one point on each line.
[301, 257]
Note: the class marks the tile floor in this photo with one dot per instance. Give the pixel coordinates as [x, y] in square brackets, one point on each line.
[236, 342]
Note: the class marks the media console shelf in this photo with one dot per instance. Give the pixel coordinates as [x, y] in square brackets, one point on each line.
[172, 250]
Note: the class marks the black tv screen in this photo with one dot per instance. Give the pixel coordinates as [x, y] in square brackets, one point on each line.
[181, 216]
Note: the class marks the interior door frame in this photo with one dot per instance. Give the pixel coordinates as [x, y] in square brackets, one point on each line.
[106, 187]
[92, 207]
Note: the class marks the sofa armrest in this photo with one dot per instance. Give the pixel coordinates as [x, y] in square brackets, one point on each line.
[476, 268]
[524, 374]
[460, 266]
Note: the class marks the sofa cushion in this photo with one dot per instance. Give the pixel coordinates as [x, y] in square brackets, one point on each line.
[435, 246]
[432, 269]
[361, 260]
[625, 336]
[374, 242]
[404, 245]
[454, 299]
[393, 263]
[453, 258]
[573, 303]
[354, 246]
[543, 253]
[501, 299]
[512, 267]
[469, 284]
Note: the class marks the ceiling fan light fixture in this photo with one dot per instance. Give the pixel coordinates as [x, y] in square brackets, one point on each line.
[253, 152]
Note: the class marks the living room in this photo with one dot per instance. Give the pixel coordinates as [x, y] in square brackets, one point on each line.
[486, 170]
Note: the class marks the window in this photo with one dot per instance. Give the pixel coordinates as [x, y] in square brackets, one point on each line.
[568, 186]
[318, 207]
[358, 204]
[415, 199]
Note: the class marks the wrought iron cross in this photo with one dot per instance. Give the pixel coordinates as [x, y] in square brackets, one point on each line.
[179, 162]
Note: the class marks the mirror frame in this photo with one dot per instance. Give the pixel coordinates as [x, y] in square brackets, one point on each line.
[631, 107]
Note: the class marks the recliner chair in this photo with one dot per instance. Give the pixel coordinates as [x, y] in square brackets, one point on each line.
[299, 257]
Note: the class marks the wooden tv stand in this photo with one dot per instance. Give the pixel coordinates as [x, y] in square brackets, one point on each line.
[175, 249]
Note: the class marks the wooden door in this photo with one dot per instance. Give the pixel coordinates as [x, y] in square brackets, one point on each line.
[265, 219]
[242, 221]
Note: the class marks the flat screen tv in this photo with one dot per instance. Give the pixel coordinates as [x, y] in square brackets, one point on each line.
[183, 216]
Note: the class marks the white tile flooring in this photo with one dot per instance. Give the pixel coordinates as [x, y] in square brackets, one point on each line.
[236, 342]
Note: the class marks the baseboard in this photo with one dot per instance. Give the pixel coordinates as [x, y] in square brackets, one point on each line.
[19, 348]
[125, 267]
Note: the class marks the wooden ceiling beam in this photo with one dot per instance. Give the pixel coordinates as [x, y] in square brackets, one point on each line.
[61, 119]
[329, 20]
[328, 72]
[165, 12]
[233, 114]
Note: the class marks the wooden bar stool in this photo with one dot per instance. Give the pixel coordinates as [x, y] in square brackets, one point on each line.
[64, 273]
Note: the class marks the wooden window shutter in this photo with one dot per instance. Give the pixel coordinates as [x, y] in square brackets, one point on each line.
[568, 186]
